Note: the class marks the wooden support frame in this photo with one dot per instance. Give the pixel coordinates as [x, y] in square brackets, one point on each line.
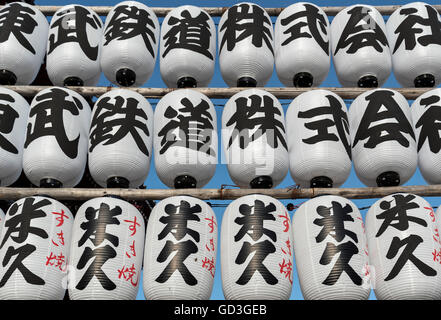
[218, 11]
[217, 194]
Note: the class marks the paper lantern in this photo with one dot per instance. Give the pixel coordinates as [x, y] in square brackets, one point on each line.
[414, 38]
[185, 139]
[302, 50]
[129, 44]
[256, 250]
[426, 114]
[246, 48]
[188, 48]
[180, 250]
[73, 50]
[331, 250]
[55, 148]
[318, 140]
[360, 48]
[404, 248]
[23, 37]
[2, 219]
[34, 250]
[107, 250]
[120, 140]
[254, 140]
[14, 111]
[383, 140]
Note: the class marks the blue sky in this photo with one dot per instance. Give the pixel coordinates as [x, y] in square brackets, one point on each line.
[221, 176]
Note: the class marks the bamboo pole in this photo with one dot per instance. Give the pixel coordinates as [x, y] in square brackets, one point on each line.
[220, 93]
[218, 11]
[217, 194]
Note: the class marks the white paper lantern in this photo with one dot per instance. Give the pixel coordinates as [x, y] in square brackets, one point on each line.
[185, 139]
[34, 249]
[120, 140]
[180, 250]
[2, 219]
[246, 48]
[107, 250]
[438, 220]
[254, 140]
[404, 248]
[413, 31]
[73, 49]
[129, 44]
[383, 143]
[331, 250]
[23, 37]
[188, 48]
[302, 49]
[318, 140]
[426, 114]
[14, 111]
[359, 46]
[55, 149]
[256, 249]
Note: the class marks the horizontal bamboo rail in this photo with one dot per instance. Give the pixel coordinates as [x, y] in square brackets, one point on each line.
[217, 194]
[218, 11]
[220, 93]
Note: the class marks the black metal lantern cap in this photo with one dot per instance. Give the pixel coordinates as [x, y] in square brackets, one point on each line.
[50, 183]
[125, 77]
[321, 182]
[368, 82]
[118, 182]
[187, 82]
[7, 78]
[262, 182]
[388, 179]
[73, 82]
[247, 82]
[185, 182]
[424, 81]
[303, 80]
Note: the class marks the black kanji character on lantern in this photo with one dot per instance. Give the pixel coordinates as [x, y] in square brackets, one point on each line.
[382, 106]
[194, 126]
[314, 20]
[410, 244]
[177, 219]
[244, 21]
[18, 229]
[397, 216]
[430, 123]
[333, 222]
[7, 119]
[22, 253]
[252, 221]
[17, 20]
[95, 227]
[244, 121]
[346, 250]
[100, 255]
[361, 31]
[261, 251]
[49, 120]
[187, 32]
[339, 120]
[102, 130]
[21, 223]
[407, 30]
[72, 25]
[128, 22]
[183, 249]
